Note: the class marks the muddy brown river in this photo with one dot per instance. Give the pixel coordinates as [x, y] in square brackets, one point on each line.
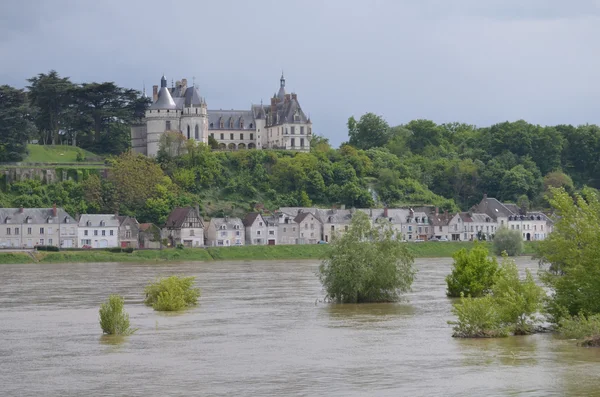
[260, 331]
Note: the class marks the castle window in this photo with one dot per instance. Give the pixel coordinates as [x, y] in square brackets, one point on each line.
[222, 136]
[221, 124]
[196, 110]
[241, 136]
[293, 142]
[251, 136]
[212, 135]
[302, 130]
[197, 132]
[188, 132]
[230, 123]
[302, 142]
[231, 136]
[168, 125]
[241, 123]
[293, 130]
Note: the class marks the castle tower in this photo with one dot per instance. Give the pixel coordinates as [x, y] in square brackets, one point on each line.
[163, 115]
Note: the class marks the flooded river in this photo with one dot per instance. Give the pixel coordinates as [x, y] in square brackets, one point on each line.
[259, 331]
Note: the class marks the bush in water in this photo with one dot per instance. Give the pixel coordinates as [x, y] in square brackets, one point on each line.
[172, 293]
[477, 318]
[366, 264]
[113, 319]
[472, 272]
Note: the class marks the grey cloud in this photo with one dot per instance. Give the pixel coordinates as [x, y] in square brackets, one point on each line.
[474, 61]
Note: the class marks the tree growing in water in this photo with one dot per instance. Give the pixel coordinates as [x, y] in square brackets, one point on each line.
[367, 264]
[172, 293]
[472, 272]
[113, 318]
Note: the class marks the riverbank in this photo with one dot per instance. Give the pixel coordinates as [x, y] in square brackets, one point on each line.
[250, 252]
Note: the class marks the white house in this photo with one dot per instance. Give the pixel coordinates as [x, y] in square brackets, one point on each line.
[225, 232]
[98, 231]
[28, 227]
[260, 230]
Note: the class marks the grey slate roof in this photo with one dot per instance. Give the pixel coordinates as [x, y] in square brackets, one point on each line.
[492, 207]
[481, 218]
[228, 222]
[110, 220]
[164, 101]
[250, 218]
[215, 116]
[284, 113]
[192, 97]
[36, 216]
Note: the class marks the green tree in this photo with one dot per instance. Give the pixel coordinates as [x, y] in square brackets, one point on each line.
[52, 95]
[113, 318]
[509, 241]
[572, 251]
[518, 300]
[15, 124]
[473, 272]
[370, 131]
[366, 264]
[172, 293]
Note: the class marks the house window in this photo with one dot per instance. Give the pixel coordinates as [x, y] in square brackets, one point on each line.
[85, 232]
[104, 232]
[41, 241]
[251, 137]
[440, 228]
[127, 234]
[258, 232]
[28, 230]
[260, 223]
[8, 231]
[50, 231]
[241, 136]
[293, 142]
[231, 136]
[306, 226]
[301, 142]
[16, 231]
[168, 126]
[271, 232]
[542, 227]
[192, 232]
[223, 234]
[95, 232]
[293, 130]
[222, 136]
[49, 241]
[112, 232]
[293, 229]
[285, 229]
[41, 230]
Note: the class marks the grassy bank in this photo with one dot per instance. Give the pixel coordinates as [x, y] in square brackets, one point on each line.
[250, 252]
[57, 154]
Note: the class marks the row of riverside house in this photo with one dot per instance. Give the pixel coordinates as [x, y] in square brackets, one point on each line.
[30, 227]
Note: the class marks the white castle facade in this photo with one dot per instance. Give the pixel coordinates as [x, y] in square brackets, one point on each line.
[281, 125]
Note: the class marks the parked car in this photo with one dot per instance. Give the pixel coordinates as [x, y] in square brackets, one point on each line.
[443, 239]
[322, 242]
[419, 240]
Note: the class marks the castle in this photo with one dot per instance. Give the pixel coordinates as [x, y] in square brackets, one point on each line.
[282, 125]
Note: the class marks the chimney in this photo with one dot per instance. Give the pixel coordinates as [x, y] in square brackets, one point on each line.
[154, 93]
[184, 84]
[54, 211]
[226, 218]
[437, 211]
[385, 212]
[294, 96]
[178, 84]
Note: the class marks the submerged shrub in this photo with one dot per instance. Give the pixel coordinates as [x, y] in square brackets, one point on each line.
[509, 241]
[113, 318]
[472, 272]
[477, 318]
[579, 327]
[172, 293]
[366, 264]
[518, 300]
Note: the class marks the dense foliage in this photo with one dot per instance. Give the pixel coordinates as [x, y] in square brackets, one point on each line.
[113, 318]
[447, 165]
[172, 293]
[473, 272]
[512, 306]
[366, 264]
[572, 251]
[509, 241]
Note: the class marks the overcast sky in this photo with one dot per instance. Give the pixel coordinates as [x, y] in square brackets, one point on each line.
[475, 61]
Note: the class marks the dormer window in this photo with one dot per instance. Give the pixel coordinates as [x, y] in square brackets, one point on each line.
[49, 220]
[236, 227]
[241, 123]
[28, 220]
[212, 125]
[230, 123]
[66, 220]
[221, 124]
[251, 125]
[102, 223]
[7, 220]
[223, 227]
[88, 223]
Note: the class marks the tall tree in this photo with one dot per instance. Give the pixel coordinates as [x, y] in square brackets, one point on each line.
[52, 95]
[15, 124]
[370, 131]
